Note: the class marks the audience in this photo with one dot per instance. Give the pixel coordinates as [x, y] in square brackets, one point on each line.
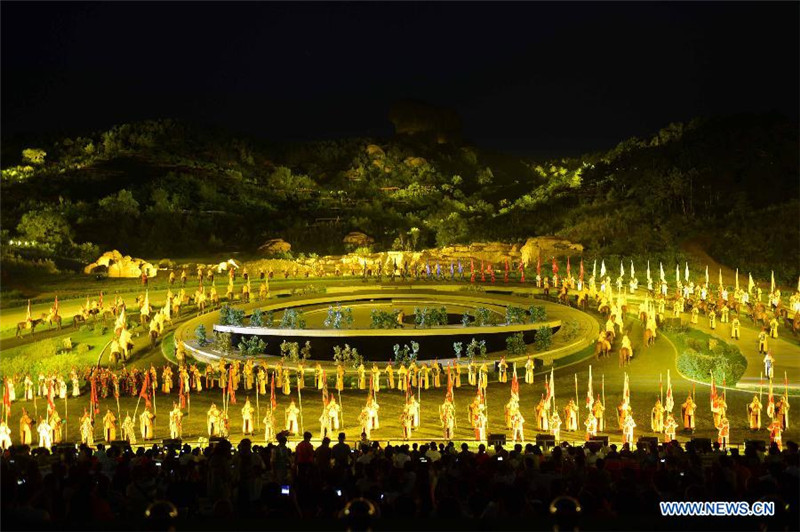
[393, 486]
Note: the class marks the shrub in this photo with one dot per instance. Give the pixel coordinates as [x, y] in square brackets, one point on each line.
[515, 315]
[570, 329]
[698, 361]
[252, 346]
[457, 347]
[347, 356]
[544, 337]
[257, 318]
[538, 313]
[475, 348]
[482, 316]
[465, 318]
[383, 319]
[292, 319]
[231, 316]
[222, 342]
[83, 348]
[200, 335]
[515, 344]
[338, 318]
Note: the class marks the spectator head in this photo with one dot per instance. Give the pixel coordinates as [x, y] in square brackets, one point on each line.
[307, 436]
[464, 447]
[359, 514]
[160, 515]
[566, 511]
[342, 437]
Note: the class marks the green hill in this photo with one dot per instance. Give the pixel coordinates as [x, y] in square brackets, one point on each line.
[163, 188]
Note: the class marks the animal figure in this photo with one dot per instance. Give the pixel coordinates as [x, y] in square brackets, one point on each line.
[649, 338]
[602, 348]
[21, 326]
[624, 356]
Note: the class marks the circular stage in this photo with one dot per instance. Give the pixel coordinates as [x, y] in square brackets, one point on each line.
[377, 344]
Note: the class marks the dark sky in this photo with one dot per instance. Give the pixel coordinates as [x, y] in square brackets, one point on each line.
[535, 78]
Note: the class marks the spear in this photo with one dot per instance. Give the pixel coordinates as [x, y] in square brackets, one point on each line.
[604, 389]
[66, 417]
[300, 394]
[660, 388]
[258, 408]
[576, 389]
[760, 385]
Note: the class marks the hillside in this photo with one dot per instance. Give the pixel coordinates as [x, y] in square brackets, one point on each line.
[162, 188]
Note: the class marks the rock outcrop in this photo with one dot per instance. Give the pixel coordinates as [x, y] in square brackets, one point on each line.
[274, 246]
[119, 265]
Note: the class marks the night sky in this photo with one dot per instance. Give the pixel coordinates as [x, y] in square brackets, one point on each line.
[530, 78]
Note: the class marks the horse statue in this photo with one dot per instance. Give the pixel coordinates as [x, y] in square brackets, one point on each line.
[624, 356]
[794, 323]
[602, 347]
[649, 337]
[563, 295]
[54, 317]
[759, 314]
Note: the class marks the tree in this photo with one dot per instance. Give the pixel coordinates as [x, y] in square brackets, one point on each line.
[120, 204]
[33, 155]
[45, 226]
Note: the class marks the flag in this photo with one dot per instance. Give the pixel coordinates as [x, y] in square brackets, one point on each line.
[7, 398]
[737, 279]
[677, 274]
[580, 272]
[115, 380]
[589, 394]
[93, 402]
[51, 406]
[621, 269]
[146, 304]
[771, 284]
[55, 306]
[670, 402]
[771, 402]
[472, 270]
[272, 401]
[626, 390]
[798, 284]
[602, 268]
[569, 269]
[713, 388]
[661, 268]
[449, 395]
[707, 279]
[594, 269]
[515, 382]
[100, 300]
[750, 283]
[181, 396]
[547, 391]
[633, 273]
[483, 272]
[720, 276]
[325, 396]
[28, 314]
[505, 277]
[521, 272]
[231, 390]
[686, 273]
[144, 393]
[648, 271]
[539, 265]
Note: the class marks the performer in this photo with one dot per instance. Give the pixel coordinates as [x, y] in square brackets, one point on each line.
[542, 419]
[333, 410]
[529, 370]
[627, 431]
[773, 327]
[471, 372]
[339, 377]
[414, 409]
[483, 377]
[481, 421]
[247, 418]
[362, 377]
[555, 424]
[56, 424]
[28, 383]
[324, 423]
[782, 410]
[291, 418]
[364, 422]
[175, 422]
[670, 426]
[695, 314]
[5, 436]
[517, 423]
[425, 376]
[287, 382]
[447, 414]
[110, 426]
[598, 411]
[591, 426]
[657, 417]
[45, 433]
[775, 430]
[86, 425]
[626, 343]
[389, 376]
[735, 324]
[402, 378]
[224, 424]
[769, 365]
[763, 345]
[166, 377]
[623, 412]
[213, 419]
[571, 415]
[269, 426]
[458, 374]
[724, 432]
[511, 407]
[754, 413]
[688, 408]
[406, 420]
[502, 367]
[146, 424]
[712, 319]
[718, 408]
[437, 374]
